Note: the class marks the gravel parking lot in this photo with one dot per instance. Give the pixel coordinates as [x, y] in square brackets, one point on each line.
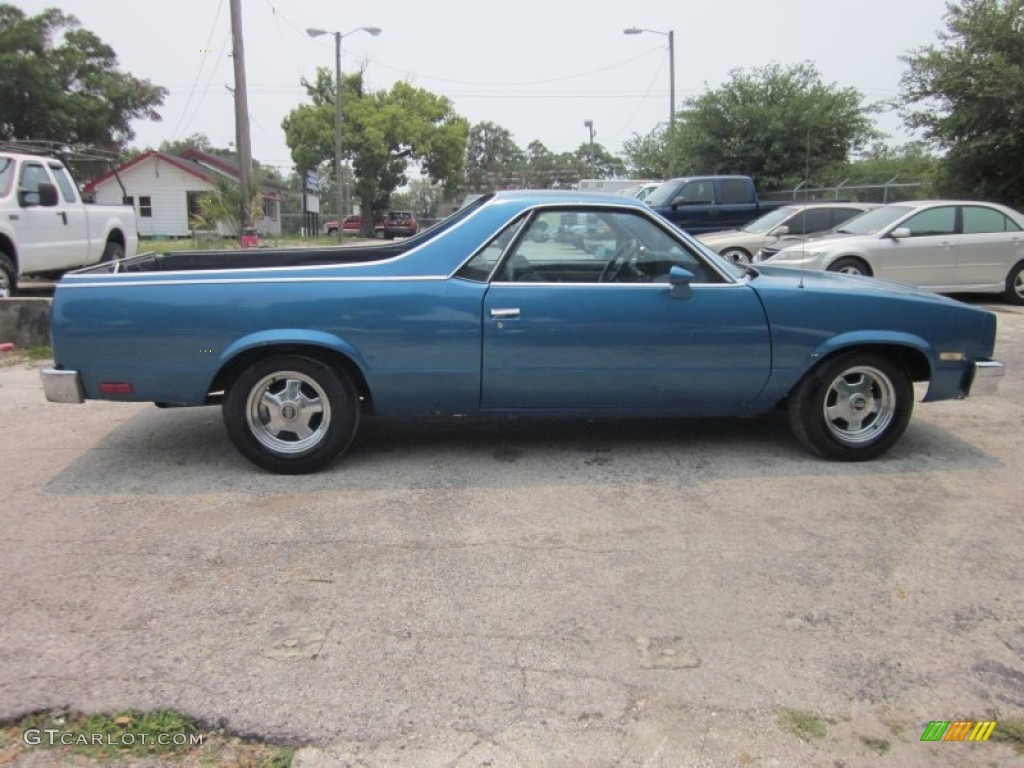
[635, 593]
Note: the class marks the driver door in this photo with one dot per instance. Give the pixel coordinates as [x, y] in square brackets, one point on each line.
[565, 329]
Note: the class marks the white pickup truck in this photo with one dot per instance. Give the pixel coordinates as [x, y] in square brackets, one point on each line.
[46, 228]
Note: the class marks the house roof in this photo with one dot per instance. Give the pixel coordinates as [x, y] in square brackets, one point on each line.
[200, 164]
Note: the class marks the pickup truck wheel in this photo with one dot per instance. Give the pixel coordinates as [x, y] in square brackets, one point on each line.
[852, 408]
[112, 252]
[291, 415]
[8, 277]
[736, 255]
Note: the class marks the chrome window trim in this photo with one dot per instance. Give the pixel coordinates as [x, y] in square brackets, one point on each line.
[231, 281]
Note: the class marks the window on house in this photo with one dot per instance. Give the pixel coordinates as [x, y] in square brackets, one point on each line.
[270, 208]
[145, 206]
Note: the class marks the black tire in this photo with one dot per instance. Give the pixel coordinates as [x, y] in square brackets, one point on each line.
[1015, 285]
[332, 231]
[8, 277]
[736, 255]
[853, 407]
[112, 251]
[850, 265]
[310, 396]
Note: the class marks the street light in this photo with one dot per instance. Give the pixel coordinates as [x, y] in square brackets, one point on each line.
[671, 90]
[314, 32]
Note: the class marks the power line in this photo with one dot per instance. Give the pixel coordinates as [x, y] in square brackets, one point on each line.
[199, 73]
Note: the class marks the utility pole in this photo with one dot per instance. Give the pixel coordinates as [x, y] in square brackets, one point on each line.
[242, 140]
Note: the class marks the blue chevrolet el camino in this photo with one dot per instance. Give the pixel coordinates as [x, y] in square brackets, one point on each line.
[526, 303]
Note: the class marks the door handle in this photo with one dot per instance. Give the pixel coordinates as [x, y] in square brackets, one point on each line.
[64, 217]
[503, 314]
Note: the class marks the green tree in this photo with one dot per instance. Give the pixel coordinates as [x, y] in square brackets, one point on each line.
[491, 157]
[647, 156]
[966, 94]
[777, 124]
[383, 133]
[70, 92]
[223, 205]
[881, 163]
[596, 162]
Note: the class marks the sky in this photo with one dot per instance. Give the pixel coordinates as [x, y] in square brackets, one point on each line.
[538, 69]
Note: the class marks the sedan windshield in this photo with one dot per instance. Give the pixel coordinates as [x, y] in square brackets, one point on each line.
[762, 225]
[873, 222]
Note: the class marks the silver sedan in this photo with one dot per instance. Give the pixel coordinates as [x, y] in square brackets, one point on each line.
[945, 246]
[740, 245]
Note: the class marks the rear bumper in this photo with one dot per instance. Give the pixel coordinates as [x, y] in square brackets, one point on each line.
[62, 386]
[986, 377]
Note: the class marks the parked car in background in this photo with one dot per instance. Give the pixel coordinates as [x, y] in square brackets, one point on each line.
[642, 191]
[491, 313]
[45, 226]
[945, 246]
[400, 224]
[699, 204]
[353, 223]
[740, 245]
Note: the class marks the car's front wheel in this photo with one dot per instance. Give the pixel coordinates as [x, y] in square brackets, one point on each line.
[1015, 285]
[736, 255]
[853, 407]
[848, 265]
[291, 414]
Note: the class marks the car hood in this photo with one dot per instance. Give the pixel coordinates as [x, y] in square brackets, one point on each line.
[815, 280]
[725, 234]
[834, 239]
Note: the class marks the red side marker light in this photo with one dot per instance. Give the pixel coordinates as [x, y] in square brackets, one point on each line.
[115, 388]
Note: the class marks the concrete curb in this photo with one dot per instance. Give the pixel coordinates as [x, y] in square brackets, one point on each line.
[26, 322]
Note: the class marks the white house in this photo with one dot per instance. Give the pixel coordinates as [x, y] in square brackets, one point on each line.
[165, 191]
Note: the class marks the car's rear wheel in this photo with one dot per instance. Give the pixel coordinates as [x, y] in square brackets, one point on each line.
[8, 277]
[853, 407]
[332, 231]
[736, 255]
[291, 415]
[1015, 285]
[848, 265]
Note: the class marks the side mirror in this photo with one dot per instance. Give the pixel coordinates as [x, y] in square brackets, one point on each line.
[680, 280]
[780, 230]
[45, 195]
[899, 233]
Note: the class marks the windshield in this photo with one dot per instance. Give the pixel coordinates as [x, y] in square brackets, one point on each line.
[872, 222]
[765, 224]
[664, 194]
[6, 174]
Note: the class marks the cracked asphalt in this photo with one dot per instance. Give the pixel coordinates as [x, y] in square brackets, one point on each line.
[635, 593]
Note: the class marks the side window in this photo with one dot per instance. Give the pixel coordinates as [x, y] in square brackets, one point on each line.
[31, 175]
[480, 267]
[597, 246]
[797, 223]
[697, 193]
[978, 220]
[734, 191]
[67, 188]
[936, 221]
[817, 220]
[6, 175]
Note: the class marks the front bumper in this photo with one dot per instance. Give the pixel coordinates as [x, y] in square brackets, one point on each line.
[985, 378]
[62, 386]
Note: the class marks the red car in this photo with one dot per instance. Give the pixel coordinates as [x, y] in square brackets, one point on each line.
[396, 224]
